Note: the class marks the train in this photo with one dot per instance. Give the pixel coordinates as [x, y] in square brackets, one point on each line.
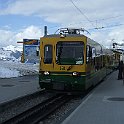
[72, 62]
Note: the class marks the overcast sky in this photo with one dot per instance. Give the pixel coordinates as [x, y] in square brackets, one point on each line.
[26, 18]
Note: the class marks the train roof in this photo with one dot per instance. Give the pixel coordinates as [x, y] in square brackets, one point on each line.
[107, 51]
[118, 50]
[66, 32]
[66, 35]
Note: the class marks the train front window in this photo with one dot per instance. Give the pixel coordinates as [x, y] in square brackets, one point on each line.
[48, 54]
[70, 53]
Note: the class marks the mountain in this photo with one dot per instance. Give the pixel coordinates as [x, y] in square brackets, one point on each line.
[11, 53]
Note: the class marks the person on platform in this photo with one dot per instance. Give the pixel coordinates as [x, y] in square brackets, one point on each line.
[120, 70]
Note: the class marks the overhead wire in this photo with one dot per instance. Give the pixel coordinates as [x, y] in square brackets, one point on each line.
[94, 20]
[82, 13]
[108, 18]
[91, 21]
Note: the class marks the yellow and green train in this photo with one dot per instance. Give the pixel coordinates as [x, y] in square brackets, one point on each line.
[72, 62]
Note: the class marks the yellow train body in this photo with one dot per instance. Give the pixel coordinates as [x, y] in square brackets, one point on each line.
[72, 62]
[54, 66]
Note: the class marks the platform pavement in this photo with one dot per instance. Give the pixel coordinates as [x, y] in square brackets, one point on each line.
[13, 88]
[97, 108]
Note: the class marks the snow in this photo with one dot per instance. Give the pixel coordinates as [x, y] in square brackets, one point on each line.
[13, 48]
[10, 52]
[10, 69]
[10, 65]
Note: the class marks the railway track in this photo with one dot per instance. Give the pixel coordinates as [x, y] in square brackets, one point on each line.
[17, 106]
[39, 112]
[43, 108]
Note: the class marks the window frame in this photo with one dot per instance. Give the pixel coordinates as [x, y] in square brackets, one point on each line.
[59, 63]
[50, 59]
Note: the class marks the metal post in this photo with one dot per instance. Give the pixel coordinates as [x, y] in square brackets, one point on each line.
[45, 30]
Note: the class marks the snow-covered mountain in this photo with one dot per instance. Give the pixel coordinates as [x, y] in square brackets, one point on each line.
[10, 52]
[10, 65]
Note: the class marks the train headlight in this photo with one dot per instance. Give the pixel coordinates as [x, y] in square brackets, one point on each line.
[46, 73]
[75, 74]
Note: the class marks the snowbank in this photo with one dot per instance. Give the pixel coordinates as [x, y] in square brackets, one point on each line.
[14, 69]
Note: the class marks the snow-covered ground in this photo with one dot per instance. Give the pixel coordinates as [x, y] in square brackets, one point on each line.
[14, 69]
[10, 65]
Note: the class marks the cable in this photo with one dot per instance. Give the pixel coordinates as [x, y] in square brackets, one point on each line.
[82, 13]
[108, 18]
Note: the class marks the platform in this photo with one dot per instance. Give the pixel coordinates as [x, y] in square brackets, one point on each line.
[105, 105]
[13, 88]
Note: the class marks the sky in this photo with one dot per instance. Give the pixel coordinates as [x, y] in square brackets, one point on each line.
[20, 19]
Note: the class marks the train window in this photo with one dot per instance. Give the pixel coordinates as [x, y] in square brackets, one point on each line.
[93, 55]
[89, 53]
[93, 52]
[48, 54]
[70, 53]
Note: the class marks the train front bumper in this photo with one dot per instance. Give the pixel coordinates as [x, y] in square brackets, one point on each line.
[71, 84]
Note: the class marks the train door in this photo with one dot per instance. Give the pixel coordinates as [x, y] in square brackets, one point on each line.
[47, 54]
[88, 59]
